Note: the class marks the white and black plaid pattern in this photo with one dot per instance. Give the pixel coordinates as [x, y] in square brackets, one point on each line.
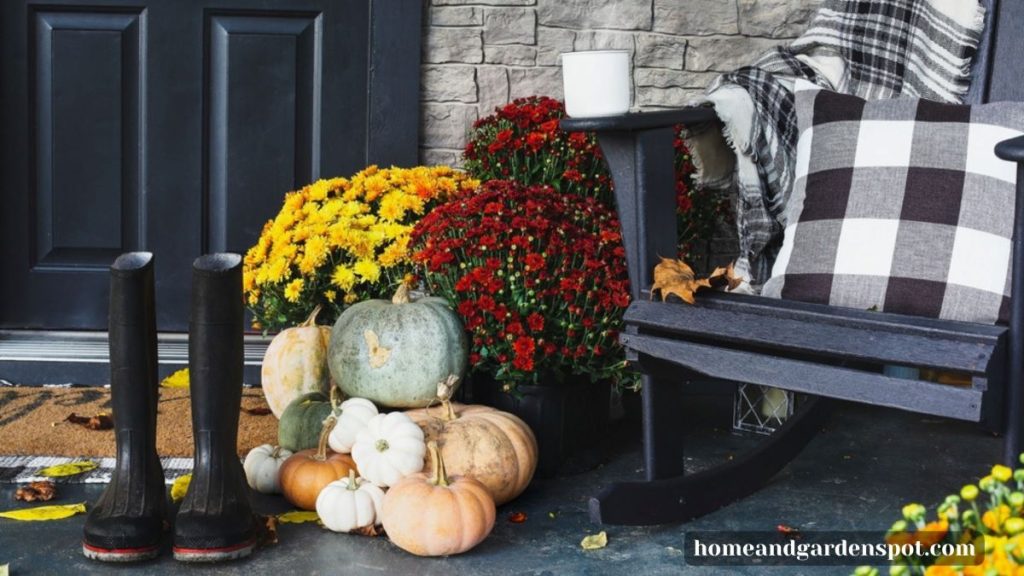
[900, 205]
[888, 48]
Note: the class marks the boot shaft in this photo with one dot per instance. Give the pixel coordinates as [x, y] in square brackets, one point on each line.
[133, 348]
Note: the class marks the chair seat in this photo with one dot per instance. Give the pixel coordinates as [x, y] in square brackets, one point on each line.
[820, 349]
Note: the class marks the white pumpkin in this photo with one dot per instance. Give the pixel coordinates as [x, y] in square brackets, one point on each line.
[355, 413]
[262, 466]
[350, 503]
[389, 448]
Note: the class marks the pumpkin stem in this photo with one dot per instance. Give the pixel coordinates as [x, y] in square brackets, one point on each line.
[275, 453]
[444, 394]
[352, 480]
[311, 319]
[325, 433]
[440, 475]
[335, 400]
[401, 295]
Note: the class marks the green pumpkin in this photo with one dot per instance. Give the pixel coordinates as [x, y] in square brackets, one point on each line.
[302, 421]
[395, 353]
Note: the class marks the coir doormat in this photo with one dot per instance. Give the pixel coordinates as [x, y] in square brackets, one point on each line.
[32, 422]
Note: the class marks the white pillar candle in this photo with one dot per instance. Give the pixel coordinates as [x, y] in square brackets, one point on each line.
[596, 83]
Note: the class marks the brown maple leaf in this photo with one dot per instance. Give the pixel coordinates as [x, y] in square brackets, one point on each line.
[98, 422]
[42, 491]
[725, 276]
[372, 531]
[676, 277]
[257, 411]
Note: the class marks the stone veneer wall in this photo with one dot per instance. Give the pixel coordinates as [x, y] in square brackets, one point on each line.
[479, 54]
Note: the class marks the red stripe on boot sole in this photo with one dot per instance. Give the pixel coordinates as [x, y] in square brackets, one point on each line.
[142, 550]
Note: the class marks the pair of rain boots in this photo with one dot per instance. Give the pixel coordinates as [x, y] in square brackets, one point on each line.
[215, 521]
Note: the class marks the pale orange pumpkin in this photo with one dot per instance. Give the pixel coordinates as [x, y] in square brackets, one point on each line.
[494, 447]
[434, 515]
[295, 363]
[307, 472]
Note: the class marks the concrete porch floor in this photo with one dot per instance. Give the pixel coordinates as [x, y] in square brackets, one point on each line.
[855, 475]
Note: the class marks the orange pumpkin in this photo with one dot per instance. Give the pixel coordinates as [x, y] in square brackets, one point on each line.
[307, 472]
[492, 446]
[434, 515]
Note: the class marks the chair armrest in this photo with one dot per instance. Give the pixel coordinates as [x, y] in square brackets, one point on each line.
[640, 121]
[1012, 149]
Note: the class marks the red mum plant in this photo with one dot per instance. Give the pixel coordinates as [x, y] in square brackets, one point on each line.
[539, 279]
[522, 141]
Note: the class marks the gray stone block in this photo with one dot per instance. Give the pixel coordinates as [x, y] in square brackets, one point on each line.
[725, 53]
[696, 17]
[446, 125]
[604, 40]
[510, 26]
[579, 14]
[456, 16]
[552, 42]
[445, 156]
[448, 83]
[444, 45]
[776, 18]
[492, 88]
[673, 97]
[659, 51]
[535, 82]
[486, 2]
[661, 78]
[512, 55]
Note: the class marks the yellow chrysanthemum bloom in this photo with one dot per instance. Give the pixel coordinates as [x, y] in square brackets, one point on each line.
[343, 278]
[367, 270]
[293, 290]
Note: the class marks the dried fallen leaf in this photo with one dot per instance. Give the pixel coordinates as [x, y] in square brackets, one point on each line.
[676, 277]
[257, 411]
[69, 469]
[180, 487]
[269, 535]
[595, 541]
[178, 379]
[43, 490]
[725, 276]
[298, 517]
[371, 531]
[517, 517]
[100, 421]
[40, 513]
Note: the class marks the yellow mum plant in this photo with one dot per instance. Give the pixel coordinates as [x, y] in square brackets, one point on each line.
[342, 240]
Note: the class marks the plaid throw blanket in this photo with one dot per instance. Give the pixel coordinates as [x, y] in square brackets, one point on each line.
[871, 48]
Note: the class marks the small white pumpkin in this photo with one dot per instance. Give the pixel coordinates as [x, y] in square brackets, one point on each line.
[389, 448]
[350, 503]
[262, 468]
[355, 413]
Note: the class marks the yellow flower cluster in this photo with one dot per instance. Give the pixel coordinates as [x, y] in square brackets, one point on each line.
[342, 240]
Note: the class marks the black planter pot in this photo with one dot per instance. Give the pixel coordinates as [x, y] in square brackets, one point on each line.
[569, 419]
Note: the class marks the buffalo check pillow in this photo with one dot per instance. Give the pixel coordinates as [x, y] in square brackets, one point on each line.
[900, 206]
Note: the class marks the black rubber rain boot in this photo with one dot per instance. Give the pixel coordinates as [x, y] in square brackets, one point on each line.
[127, 522]
[216, 521]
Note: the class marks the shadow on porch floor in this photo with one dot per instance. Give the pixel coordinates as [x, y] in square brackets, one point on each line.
[855, 475]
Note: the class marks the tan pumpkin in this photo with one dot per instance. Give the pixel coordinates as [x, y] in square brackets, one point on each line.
[434, 515]
[492, 446]
[295, 364]
[307, 472]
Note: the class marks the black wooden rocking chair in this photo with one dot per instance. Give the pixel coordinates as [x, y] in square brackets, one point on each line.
[804, 348]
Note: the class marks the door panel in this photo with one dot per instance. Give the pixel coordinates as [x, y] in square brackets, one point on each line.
[264, 124]
[176, 126]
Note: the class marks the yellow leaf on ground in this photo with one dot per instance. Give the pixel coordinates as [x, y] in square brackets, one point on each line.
[676, 277]
[69, 469]
[595, 541]
[4, 569]
[57, 512]
[298, 517]
[179, 487]
[178, 379]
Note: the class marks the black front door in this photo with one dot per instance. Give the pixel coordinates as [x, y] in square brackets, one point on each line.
[176, 126]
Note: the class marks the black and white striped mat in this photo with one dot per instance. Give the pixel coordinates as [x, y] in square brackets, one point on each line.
[22, 469]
